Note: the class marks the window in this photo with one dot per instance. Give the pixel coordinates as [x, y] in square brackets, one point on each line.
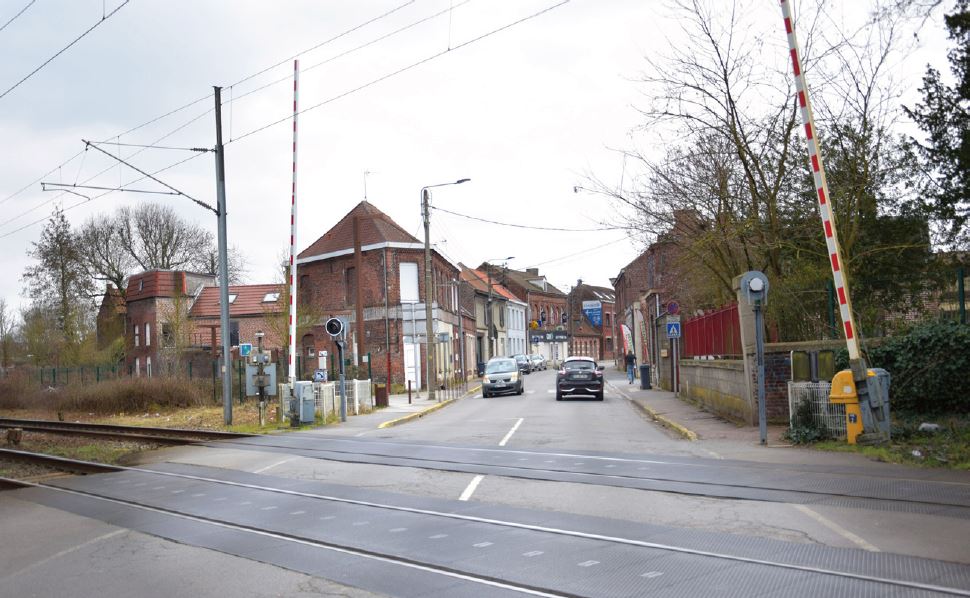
[148, 334]
[141, 284]
[606, 319]
[137, 336]
[501, 315]
[168, 337]
[148, 367]
[350, 286]
[233, 334]
[271, 297]
[232, 298]
[409, 282]
[137, 366]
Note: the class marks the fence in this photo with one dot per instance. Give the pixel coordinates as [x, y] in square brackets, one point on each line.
[715, 333]
[815, 395]
[326, 397]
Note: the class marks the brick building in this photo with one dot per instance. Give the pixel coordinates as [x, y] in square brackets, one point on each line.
[590, 310]
[546, 309]
[155, 302]
[499, 330]
[252, 308]
[386, 275]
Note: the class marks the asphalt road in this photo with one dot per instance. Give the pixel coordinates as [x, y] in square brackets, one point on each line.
[532, 428]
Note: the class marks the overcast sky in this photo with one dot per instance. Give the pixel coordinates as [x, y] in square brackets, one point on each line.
[525, 113]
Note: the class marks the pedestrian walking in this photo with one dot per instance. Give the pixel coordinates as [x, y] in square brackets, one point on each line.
[631, 366]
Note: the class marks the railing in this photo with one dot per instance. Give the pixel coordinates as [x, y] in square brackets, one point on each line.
[716, 333]
[813, 397]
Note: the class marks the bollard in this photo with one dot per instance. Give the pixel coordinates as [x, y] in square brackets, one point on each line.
[14, 436]
[409, 392]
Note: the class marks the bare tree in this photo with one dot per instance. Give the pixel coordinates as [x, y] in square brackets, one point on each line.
[159, 239]
[208, 262]
[107, 256]
[6, 334]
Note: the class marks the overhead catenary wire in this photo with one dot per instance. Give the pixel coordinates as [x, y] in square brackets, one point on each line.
[381, 38]
[14, 18]
[88, 199]
[64, 49]
[198, 100]
[404, 69]
[587, 250]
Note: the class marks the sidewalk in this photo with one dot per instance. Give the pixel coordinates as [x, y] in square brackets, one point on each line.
[398, 411]
[687, 420]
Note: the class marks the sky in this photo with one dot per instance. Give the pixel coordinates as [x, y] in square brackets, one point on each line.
[526, 113]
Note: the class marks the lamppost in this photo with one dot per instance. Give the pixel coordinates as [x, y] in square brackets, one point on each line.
[432, 376]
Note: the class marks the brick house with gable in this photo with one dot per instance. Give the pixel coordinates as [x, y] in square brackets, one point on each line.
[388, 268]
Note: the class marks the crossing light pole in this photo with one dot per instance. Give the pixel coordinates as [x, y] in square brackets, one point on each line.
[432, 376]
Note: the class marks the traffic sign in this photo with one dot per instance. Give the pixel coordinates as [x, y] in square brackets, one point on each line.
[245, 349]
[673, 329]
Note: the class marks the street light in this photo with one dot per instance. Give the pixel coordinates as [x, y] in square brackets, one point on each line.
[428, 294]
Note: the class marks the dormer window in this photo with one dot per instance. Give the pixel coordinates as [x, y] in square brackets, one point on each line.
[232, 298]
[271, 297]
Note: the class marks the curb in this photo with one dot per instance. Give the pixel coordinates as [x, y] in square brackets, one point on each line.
[664, 421]
[422, 413]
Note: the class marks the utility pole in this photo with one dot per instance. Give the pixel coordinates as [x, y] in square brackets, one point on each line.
[223, 264]
[358, 297]
[428, 293]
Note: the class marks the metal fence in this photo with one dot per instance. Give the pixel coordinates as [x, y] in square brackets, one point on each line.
[823, 413]
[715, 333]
[326, 397]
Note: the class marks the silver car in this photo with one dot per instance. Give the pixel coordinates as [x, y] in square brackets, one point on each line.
[538, 361]
[502, 375]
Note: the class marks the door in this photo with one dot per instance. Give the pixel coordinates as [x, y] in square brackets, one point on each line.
[412, 354]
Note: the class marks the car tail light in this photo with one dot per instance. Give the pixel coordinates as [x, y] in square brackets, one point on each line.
[598, 374]
[563, 371]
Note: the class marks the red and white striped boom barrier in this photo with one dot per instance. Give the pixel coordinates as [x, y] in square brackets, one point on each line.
[291, 372]
[822, 190]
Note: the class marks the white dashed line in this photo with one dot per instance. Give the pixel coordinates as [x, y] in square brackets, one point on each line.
[482, 545]
[398, 530]
[270, 508]
[437, 536]
[652, 574]
[472, 486]
[512, 431]
[198, 495]
[532, 553]
[297, 512]
[587, 563]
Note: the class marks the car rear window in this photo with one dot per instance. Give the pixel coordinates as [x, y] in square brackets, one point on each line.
[579, 365]
[497, 367]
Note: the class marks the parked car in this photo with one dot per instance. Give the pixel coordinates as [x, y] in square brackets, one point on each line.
[524, 363]
[538, 361]
[501, 376]
[579, 375]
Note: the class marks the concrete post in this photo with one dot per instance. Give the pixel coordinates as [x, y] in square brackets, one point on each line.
[746, 318]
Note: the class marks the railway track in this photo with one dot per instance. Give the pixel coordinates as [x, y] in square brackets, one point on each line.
[116, 432]
[192, 495]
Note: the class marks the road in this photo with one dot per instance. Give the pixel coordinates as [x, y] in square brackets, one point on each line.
[511, 495]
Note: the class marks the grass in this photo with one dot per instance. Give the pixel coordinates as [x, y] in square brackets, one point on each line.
[947, 448]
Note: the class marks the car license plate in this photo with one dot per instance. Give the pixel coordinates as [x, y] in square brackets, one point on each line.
[580, 376]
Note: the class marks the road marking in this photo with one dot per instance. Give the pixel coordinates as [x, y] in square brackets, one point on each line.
[198, 494]
[652, 574]
[532, 553]
[297, 512]
[530, 392]
[482, 545]
[398, 530]
[437, 536]
[549, 391]
[359, 523]
[278, 463]
[270, 508]
[588, 563]
[328, 518]
[837, 529]
[512, 431]
[470, 489]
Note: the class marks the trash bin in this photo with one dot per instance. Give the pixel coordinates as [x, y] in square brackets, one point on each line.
[380, 395]
[480, 366]
[645, 376]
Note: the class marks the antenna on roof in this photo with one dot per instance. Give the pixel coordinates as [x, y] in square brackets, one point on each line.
[366, 172]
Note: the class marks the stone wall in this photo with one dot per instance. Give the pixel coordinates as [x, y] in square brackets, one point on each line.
[718, 385]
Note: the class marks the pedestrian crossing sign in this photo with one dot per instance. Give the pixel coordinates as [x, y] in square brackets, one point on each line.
[673, 329]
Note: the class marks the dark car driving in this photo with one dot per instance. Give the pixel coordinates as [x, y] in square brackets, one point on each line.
[579, 376]
[524, 363]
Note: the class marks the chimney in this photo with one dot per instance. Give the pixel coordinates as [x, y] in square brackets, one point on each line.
[533, 271]
[579, 282]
